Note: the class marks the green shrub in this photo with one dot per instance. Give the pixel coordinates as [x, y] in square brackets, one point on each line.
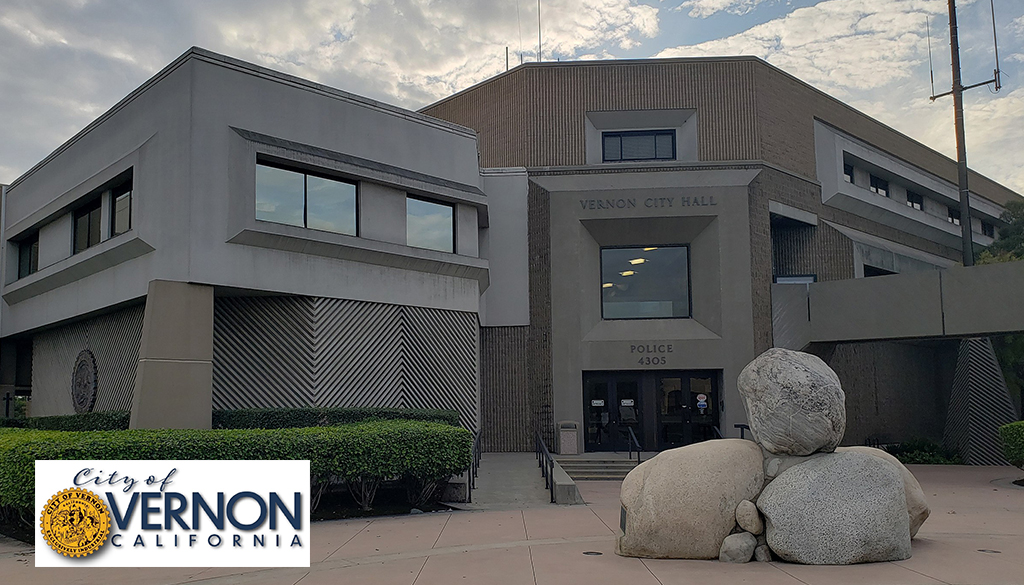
[114, 420]
[357, 454]
[1013, 443]
[249, 418]
[281, 418]
[922, 452]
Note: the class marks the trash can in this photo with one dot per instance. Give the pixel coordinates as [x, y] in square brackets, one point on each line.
[568, 437]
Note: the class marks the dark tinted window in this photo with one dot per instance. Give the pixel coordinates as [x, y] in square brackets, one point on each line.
[914, 200]
[880, 186]
[953, 215]
[87, 226]
[280, 195]
[295, 197]
[645, 283]
[28, 255]
[848, 173]
[640, 145]
[988, 229]
[430, 225]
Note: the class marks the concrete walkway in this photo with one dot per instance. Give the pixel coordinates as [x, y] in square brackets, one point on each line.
[975, 536]
[509, 481]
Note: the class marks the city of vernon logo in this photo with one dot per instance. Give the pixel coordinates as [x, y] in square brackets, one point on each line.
[75, 522]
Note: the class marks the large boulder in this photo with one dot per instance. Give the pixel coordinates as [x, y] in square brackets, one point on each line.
[794, 402]
[837, 509]
[917, 506]
[682, 503]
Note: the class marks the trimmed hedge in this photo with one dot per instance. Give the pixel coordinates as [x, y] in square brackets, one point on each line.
[361, 455]
[1013, 443]
[922, 452]
[115, 420]
[281, 418]
[248, 418]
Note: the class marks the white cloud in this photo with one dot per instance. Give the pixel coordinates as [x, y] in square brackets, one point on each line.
[873, 54]
[65, 62]
[706, 8]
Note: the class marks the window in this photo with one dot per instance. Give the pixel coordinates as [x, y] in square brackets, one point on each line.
[880, 186]
[305, 200]
[28, 255]
[87, 225]
[429, 225]
[797, 279]
[121, 208]
[848, 173]
[915, 200]
[953, 215]
[988, 229]
[641, 145]
[645, 282]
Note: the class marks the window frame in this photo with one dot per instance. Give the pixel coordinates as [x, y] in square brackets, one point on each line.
[689, 281]
[33, 242]
[849, 177]
[911, 203]
[455, 220]
[307, 172]
[653, 133]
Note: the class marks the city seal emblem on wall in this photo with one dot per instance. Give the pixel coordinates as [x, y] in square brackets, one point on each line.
[83, 382]
[75, 522]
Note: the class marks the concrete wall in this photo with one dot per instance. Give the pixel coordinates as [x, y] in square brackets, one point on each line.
[708, 212]
[504, 244]
[895, 391]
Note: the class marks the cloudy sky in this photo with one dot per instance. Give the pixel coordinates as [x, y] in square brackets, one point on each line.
[64, 62]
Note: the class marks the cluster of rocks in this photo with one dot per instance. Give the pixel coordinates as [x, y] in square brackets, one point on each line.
[789, 494]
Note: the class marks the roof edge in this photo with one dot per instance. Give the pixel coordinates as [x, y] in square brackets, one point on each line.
[212, 57]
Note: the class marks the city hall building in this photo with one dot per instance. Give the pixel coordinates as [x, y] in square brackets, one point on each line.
[577, 249]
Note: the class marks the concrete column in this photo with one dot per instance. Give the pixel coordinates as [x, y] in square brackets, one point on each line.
[174, 379]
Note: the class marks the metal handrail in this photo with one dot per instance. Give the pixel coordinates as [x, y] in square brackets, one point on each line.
[474, 469]
[718, 432]
[634, 441]
[742, 427]
[546, 464]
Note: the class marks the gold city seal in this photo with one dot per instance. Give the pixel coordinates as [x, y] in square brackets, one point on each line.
[75, 522]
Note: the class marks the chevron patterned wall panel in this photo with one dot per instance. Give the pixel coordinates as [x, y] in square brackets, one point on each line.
[978, 405]
[441, 349]
[302, 351]
[113, 339]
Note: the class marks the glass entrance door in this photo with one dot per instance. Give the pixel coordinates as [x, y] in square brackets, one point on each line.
[611, 404]
[687, 408]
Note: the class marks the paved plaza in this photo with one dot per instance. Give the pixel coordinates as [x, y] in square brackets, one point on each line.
[975, 535]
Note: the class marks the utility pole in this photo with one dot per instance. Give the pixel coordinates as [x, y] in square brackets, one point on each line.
[961, 145]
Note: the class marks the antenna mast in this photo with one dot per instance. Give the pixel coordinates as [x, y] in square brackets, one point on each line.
[961, 147]
[538, 31]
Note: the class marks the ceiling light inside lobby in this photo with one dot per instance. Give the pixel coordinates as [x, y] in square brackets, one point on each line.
[636, 261]
[627, 273]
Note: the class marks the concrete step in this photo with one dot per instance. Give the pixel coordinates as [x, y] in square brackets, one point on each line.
[590, 469]
[598, 476]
